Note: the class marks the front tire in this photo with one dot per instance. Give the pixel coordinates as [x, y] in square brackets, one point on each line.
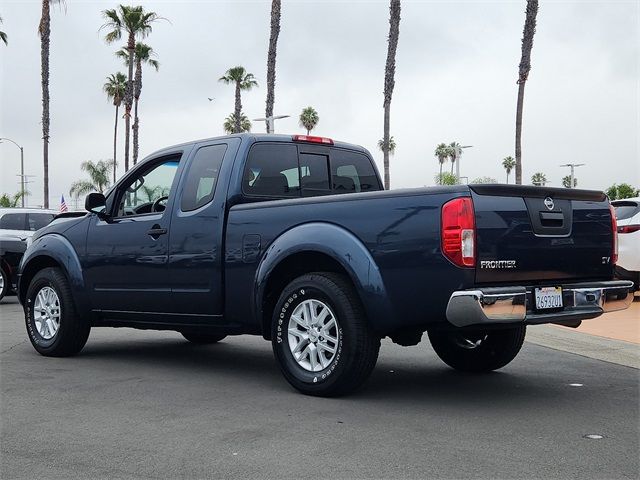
[479, 351]
[202, 338]
[5, 283]
[320, 336]
[53, 325]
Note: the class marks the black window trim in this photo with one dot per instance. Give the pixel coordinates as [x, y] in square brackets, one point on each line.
[185, 174]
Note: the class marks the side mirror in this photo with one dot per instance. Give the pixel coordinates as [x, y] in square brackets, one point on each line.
[96, 203]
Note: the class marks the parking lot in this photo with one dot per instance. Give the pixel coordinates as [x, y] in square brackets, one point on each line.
[138, 404]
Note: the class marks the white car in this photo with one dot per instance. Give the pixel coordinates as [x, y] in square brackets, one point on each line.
[628, 217]
[23, 222]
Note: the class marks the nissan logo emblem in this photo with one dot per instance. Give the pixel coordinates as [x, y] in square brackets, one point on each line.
[548, 202]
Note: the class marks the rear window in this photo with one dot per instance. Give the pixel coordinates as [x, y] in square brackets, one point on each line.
[39, 220]
[625, 210]
[13, 221]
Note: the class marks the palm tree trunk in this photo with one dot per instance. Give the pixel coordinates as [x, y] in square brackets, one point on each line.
[524, 68]
[271, 60]
[136, 99]
[238, 109]
[45, 37]
[115, 144]
[440, 177]
[389, 82]
[308, 132]
[507, 177]
[128, 100]
[452, 164]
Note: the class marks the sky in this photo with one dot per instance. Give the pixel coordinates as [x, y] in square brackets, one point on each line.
[456, 72]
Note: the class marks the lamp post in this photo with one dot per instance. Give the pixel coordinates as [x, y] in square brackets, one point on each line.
[270, 120]
[572, 166]
[21, 167]
[459, 155]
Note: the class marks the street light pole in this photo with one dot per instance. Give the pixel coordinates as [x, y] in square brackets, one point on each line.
[21, 167]
[572, 166]
[458, 160]
[270, 121]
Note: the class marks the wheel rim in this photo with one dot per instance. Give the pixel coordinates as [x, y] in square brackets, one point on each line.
[47, 312]
[471, 342]
[1, 282]
[313, 335]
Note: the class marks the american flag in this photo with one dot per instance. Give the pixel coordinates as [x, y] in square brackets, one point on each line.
[63, 205]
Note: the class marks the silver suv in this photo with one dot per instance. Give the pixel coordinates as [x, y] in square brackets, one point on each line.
[23, 222]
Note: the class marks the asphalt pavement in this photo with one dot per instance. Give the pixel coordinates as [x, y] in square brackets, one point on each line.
[143, 404]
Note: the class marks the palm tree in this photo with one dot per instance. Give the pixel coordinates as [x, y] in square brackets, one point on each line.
[99, 173]
[566, 182]
[524, 68]
[539, 179]
[271, 60]
[11, 201]
[115, 89]
[309, 119]
[242, 81]
[392, 145]
[455, 152]
[44, 30]
[389, 80]
[508, 163]
[229, 124]
[134, 22]
[3, 36]
[442, 153]
[142, 54]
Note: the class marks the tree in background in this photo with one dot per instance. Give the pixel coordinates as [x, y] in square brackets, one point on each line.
[271, 60]
[389, 82]
[539, 179]
[230, 124]
[3, 36]
[99, 173]
[455, 152]
[11, 201]
[142, 54]
[133, 22]
[309, 119]
[508, 163]
[442, 154]
[524, 68]
[392, 145]
[446, 178]
[44, 30]
[622, 191]
[242, 80]
[484, 180]
[115, 88]
[566, 182]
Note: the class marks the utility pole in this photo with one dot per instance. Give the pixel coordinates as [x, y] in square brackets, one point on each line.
[572, 166]
[270, 121]
[21, 167]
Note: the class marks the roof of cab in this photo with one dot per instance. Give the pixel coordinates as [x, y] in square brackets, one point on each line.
[259, 137]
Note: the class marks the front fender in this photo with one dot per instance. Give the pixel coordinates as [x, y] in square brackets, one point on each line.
[53, 250]
[342, 246]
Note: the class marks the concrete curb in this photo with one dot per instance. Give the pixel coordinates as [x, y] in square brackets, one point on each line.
[600, 348]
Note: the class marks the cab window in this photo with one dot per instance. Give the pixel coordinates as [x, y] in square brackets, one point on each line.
[352, 172]
[272, 171]
[13, 221]
[148, 191]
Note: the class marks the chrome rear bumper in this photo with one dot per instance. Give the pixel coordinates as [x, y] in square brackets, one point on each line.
[515, 304]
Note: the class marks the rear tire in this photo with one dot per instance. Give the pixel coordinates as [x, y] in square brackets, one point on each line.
[320, 336]
[480, 351]
[53, 324]
[5, 283]
[202, 338]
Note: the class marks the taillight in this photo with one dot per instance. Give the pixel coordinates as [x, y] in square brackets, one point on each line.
[614, 228]
[458, 232]
[628, 228]
[312, 139]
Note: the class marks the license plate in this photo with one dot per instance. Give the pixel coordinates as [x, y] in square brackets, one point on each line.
[548, 298]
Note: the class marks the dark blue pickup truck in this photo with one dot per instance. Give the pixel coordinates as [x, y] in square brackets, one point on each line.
[293, 238]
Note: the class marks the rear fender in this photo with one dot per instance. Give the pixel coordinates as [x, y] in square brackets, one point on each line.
[340, 245]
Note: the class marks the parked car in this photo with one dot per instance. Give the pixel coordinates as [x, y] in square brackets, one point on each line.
[294, 239]
[628, 217]
[24, 222]
[11, 250]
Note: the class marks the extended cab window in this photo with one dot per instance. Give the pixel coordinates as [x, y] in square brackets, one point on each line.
[148, 191]
[272, 170]
[352, 172]
[200, 184]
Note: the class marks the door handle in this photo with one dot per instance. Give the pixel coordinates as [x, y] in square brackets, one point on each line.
[155, 231]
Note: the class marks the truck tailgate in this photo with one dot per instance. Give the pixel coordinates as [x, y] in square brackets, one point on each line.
[537, 234]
